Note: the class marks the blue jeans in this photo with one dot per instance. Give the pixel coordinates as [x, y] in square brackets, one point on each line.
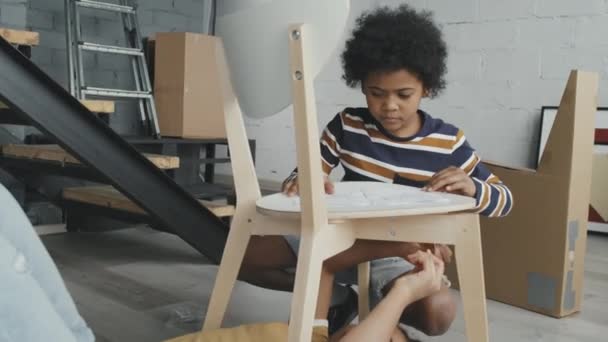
[382, 272]
[34, 302]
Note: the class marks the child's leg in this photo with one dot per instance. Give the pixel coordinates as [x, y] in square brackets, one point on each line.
[366, 250]
[265, 262]
[267, 257]
[272, 254]
[276, 252]
[325, 292]
[320, 331]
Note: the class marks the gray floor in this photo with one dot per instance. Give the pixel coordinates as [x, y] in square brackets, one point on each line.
[142, 285]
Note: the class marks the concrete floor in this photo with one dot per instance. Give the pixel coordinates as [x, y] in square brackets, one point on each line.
[142, 285]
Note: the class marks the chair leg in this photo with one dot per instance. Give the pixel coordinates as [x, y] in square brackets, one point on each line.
[363, 285]
[469, 263]
[306, 289]
[236, 245]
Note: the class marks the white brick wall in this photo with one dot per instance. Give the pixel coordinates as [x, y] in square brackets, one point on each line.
[507, 59]
[13, 13]
[449, 11]
[566, 8]
[505, 10]
[591, 31]
[546, 32]
[481, 36]
[511, 64]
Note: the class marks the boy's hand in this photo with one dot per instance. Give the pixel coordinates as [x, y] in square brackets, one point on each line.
[453, 180]
[291, 188]
[443, 252]
[425, 279]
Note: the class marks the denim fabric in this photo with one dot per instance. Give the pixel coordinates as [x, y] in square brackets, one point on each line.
[382, 271]
[34, 302]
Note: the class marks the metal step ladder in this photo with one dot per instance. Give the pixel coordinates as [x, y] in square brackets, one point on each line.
[135, 51]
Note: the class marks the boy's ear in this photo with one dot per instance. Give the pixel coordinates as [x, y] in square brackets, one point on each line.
[425, 93]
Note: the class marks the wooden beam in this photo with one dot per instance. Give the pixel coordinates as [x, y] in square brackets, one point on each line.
[107, 196]
[95, 106]
[99, 106]
[56, 153]
[20, 37]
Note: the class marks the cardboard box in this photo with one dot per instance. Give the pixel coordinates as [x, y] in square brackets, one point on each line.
[598, 209]
[188, 101]
[534, 257]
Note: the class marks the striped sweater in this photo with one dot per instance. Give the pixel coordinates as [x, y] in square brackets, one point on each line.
[368, 152]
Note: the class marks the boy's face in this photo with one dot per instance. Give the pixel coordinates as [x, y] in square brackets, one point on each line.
[393, 98]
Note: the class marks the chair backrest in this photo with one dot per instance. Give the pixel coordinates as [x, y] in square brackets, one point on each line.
[310, 175]
[245, 180]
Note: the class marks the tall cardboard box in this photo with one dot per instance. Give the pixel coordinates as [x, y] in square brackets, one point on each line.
[534, 257]
[188, 101]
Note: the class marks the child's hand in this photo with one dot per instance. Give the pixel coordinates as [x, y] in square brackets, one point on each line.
[425, 279]
[442, 251]
[291, 188]
[452, 180]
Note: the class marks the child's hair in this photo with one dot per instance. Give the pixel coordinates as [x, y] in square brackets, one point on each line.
[386, 40]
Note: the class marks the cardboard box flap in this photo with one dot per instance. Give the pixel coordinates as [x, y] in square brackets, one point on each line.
[569, 135]
[494, 164]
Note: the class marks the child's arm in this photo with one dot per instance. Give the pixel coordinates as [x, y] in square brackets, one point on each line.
[470, 177]
[382, 320]
[330, 156]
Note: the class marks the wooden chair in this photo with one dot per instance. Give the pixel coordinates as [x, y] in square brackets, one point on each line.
[325, 233]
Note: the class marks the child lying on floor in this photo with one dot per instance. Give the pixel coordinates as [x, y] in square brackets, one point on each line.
[380, 325]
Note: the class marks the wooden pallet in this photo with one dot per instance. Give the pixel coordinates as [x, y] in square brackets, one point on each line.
[56, 153]
[18, 37]
[108, 197]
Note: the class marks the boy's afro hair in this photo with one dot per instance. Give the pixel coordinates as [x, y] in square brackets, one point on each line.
[386, 40]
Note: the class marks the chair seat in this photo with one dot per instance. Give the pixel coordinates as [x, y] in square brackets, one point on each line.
[370, 199]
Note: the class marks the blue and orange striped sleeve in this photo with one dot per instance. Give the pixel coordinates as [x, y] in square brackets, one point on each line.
[331, 138]
[493, 197]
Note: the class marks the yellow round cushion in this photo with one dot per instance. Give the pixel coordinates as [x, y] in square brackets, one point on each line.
[260, 332]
